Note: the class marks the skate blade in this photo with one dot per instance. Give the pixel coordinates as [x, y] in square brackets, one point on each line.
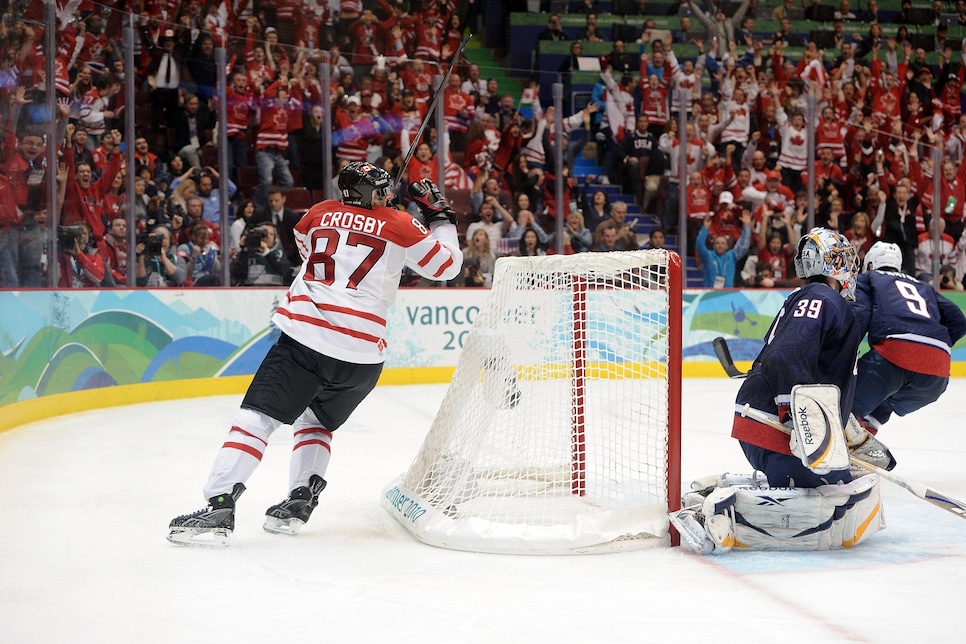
[283, 526]
[201, 538]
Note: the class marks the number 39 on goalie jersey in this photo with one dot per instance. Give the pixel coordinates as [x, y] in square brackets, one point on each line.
[351, 262]
[814, 339]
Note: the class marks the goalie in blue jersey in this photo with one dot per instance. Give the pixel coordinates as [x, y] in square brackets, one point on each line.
[790, 418]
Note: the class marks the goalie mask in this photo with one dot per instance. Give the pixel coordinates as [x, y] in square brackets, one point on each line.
[827, 253]
[361, 182]
[883, 255]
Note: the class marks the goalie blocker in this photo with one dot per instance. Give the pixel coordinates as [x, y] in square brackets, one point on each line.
[817, 437]
[738, 511]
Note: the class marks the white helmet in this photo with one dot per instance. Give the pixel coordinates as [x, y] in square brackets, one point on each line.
[883, 255]
[825, 252]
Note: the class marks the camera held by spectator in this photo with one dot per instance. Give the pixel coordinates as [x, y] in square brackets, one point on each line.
[68, 236]
[252, 242]
[947, 279]
[152, 243]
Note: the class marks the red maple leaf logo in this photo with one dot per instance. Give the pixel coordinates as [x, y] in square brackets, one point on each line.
[797, 140]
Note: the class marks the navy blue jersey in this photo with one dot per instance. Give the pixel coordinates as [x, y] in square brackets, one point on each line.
[814, 339]
[908, 323]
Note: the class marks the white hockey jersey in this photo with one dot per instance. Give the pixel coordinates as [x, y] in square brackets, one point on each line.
[352, 260]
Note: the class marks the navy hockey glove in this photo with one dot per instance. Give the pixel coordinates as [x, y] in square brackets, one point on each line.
[431, 203]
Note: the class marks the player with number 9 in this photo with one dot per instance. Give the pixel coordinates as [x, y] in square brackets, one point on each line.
[911, 328]
[331, 346]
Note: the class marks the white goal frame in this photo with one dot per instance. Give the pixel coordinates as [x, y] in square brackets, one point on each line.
[504, 468]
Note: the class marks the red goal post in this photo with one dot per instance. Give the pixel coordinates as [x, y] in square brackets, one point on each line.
[560, 430]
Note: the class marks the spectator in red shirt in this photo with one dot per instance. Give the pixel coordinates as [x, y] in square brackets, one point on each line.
[81, 266]
[458, 111]
[271, 143]
[363, 36]
[85, 198]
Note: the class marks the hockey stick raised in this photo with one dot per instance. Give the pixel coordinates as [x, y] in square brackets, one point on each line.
[921, 490]
[432, 107]
[724, 357]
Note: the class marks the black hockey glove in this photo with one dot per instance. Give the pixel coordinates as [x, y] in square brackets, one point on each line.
[431, 203]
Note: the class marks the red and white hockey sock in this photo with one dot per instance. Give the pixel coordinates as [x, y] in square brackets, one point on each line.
[241, 452]
[312, 450]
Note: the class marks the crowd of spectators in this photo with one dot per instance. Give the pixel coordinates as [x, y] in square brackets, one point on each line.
[383, 56]
[881, 105]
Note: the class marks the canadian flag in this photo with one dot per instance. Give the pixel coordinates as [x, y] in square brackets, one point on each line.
[814, 71]
[454, 176]
[615, 116]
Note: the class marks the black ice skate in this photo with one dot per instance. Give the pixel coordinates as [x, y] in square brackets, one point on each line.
[290, 515]
[210, 526]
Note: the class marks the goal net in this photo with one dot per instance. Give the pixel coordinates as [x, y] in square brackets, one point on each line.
[560, 430]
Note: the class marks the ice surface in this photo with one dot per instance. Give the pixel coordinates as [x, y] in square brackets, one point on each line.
[86, 500]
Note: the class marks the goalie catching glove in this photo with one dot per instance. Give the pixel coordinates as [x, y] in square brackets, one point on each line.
[866, 447]
[432, 205]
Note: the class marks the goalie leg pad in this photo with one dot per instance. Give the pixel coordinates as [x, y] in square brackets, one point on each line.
[823, 518]
[858, 511]
[817, 436]
[743, 512]
[782, 519]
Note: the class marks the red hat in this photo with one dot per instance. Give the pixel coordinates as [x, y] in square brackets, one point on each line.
[773, 174]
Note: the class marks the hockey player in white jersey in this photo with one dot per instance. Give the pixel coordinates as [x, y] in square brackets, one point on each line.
[332, 344]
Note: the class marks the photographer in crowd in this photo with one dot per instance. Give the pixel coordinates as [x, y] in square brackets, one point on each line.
[202, 260]
[947, 279]
[81, 266]
[261, 260]
[283, 220]
[158, 265]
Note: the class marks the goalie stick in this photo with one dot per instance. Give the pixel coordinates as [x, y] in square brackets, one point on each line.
[432, 107]
[724, 357]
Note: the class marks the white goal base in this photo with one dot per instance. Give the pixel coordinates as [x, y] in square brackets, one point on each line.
[590, 531]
